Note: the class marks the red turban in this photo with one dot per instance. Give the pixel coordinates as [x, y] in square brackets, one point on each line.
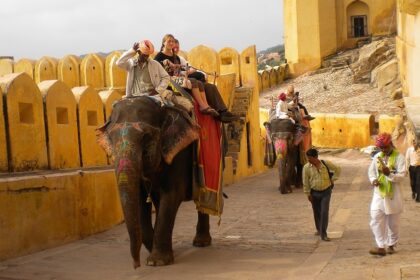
[282, 96]
[383, 140]
[146, 47]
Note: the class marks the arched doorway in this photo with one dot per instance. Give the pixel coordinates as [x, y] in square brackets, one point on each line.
[357, 19]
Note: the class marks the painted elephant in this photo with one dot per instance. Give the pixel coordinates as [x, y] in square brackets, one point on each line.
[288, 152]
[152, 150]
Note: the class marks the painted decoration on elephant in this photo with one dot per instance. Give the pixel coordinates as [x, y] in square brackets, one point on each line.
[281, 148]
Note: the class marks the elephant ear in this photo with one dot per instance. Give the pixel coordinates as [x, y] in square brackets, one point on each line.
[102, 134]
[103, 140]
[178, 131]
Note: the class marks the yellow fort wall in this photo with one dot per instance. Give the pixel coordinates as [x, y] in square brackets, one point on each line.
[25, 65]
[68, 70]
[408, 45]
[6, 66]
[52, 209]
[108, 98]
[265, 79]
[90, 116]
[25, 123]
[273, 77]
[115, 77]
[92, 71]
[204, 58]
[229, 63]
[61, 119]
[45, 69]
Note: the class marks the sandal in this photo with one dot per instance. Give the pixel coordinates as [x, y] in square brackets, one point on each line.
[209, 111]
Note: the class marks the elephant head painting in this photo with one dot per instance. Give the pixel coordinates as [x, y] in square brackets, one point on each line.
[152, 151]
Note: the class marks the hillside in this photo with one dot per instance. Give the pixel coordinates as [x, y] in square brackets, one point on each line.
[349, 82]
[270, 57]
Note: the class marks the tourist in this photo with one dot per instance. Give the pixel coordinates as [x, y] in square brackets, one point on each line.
[145, 76]
[318, 181]
[412, 157]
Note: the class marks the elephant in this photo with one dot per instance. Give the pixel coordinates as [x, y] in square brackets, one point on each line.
[286, 140]
[152, 149]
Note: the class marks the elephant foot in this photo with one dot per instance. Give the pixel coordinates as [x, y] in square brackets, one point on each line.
[160, 259]
[282, 191]
[202, 240]
[136, 263]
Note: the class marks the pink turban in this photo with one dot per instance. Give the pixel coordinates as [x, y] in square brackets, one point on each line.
[383, 140]
[282, 96]
[146, 47]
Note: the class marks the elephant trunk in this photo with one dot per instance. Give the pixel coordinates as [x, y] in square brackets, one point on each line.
[128, 179]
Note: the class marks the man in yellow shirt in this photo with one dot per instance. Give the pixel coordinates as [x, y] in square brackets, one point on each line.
[318, 181]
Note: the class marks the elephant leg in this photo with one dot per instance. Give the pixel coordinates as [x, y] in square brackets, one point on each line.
[130, 201]
[146, 220]
[202, 236]
[299, 168]
[282, 175]
[162, 253]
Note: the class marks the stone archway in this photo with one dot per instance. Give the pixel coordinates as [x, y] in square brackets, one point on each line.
[357, 15]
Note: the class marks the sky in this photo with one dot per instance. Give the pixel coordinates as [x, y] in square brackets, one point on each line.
[36, 28]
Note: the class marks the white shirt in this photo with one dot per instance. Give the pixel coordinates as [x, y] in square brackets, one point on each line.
[281, 110]
[159, 77]
[387, 205]
[412, 157]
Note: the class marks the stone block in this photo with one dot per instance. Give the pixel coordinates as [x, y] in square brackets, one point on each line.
[108, 98]
[342, 130]
[26, 66]
[48, 210]
[226, 86]
[45, 69]
[115, 77]
[273, 77]
[91, 116]
[229, 63]
[61, 119]
[385, 74]
[204, 58]
[6, 66]
[265, 79]
[247, 64]
[260, 82]
[92, 71]
[25, 123]
[68, 70]
[388, 123]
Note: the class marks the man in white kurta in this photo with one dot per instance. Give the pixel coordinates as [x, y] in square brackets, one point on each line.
[386, 173]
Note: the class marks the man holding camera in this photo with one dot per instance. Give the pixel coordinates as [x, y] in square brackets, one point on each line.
[318, 182]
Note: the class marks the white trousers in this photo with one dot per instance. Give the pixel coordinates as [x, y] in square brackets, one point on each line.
[385, 228]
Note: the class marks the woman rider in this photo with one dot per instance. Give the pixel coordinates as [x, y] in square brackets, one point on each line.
[172, 64]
